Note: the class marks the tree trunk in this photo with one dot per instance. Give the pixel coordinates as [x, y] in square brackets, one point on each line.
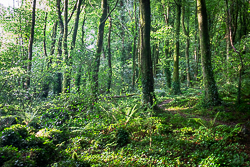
[99, 50]
[167, 50]
[58, 82]
[66, 77]
[211, 92]
[176, 79]
[45, 88]
[229, 19]
[197, 46]
[31, 42]
[134, 32]
[109, 56]
[147, 80]
[79, 72]
[186, 32]
[123, 52]
[73, 43]
[167, 65]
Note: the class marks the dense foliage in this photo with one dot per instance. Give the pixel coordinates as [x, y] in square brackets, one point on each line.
[76, 95]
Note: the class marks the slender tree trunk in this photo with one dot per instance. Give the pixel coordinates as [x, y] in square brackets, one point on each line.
[211, 92]
[58, 82]
[52, 48]
[109, 56]
[134, 32]
[186, 32]
[31, 42]
[73, 43]
[167, 65]
[99, 50]
[229, 19]
[45, 88]
[66, 77]
[197, 46]
[79, 72]
[123, 52]
[167, 50]
[68, 59]
[176, 79]
[147, 79]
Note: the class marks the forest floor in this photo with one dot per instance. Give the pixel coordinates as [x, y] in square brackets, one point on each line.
[244, 141]
[72, 131]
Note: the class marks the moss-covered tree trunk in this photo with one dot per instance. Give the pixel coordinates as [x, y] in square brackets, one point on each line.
[147, 80]
[167, 65]
[123, 51]
[79, 71]
[197, 47]
[99, 50]
[109, 56]
[66, 75]
[32, 32]
[167, 49]
[45, 85]
[176, 79]
[58, 80]
[134, 32]
[211, 92]
[186, 32]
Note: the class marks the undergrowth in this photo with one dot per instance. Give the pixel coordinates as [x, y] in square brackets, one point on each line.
[71, 131]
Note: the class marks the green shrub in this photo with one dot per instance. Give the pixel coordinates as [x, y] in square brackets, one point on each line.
[11, 157]
[71, 163]
[122, 137]
[14, 136]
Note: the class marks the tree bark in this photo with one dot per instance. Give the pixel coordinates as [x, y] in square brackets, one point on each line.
[167, 65]
[167, 50]
[134, 32]
[229, 19]
[31, 42]
[197, 47]
[73, 43]
[109, 56]
[66, 77]
[99, 50]
[186, 33]
[176, 79]
[58, 80]
[123, 52]
[79, 72]
[147, 80]
[45, 88]
[211, 92]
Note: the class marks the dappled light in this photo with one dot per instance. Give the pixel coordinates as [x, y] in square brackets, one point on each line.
[123, 83]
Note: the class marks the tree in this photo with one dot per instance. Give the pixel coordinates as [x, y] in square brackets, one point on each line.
[31, 42]
[99, 49]
[147, 80]
[66, 76]
[58, 82]
[176, 80]
[167, 48]
[211, 92]
[186, 33]
[109, 55]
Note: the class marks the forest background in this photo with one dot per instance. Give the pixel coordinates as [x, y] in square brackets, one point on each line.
[125, 82]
